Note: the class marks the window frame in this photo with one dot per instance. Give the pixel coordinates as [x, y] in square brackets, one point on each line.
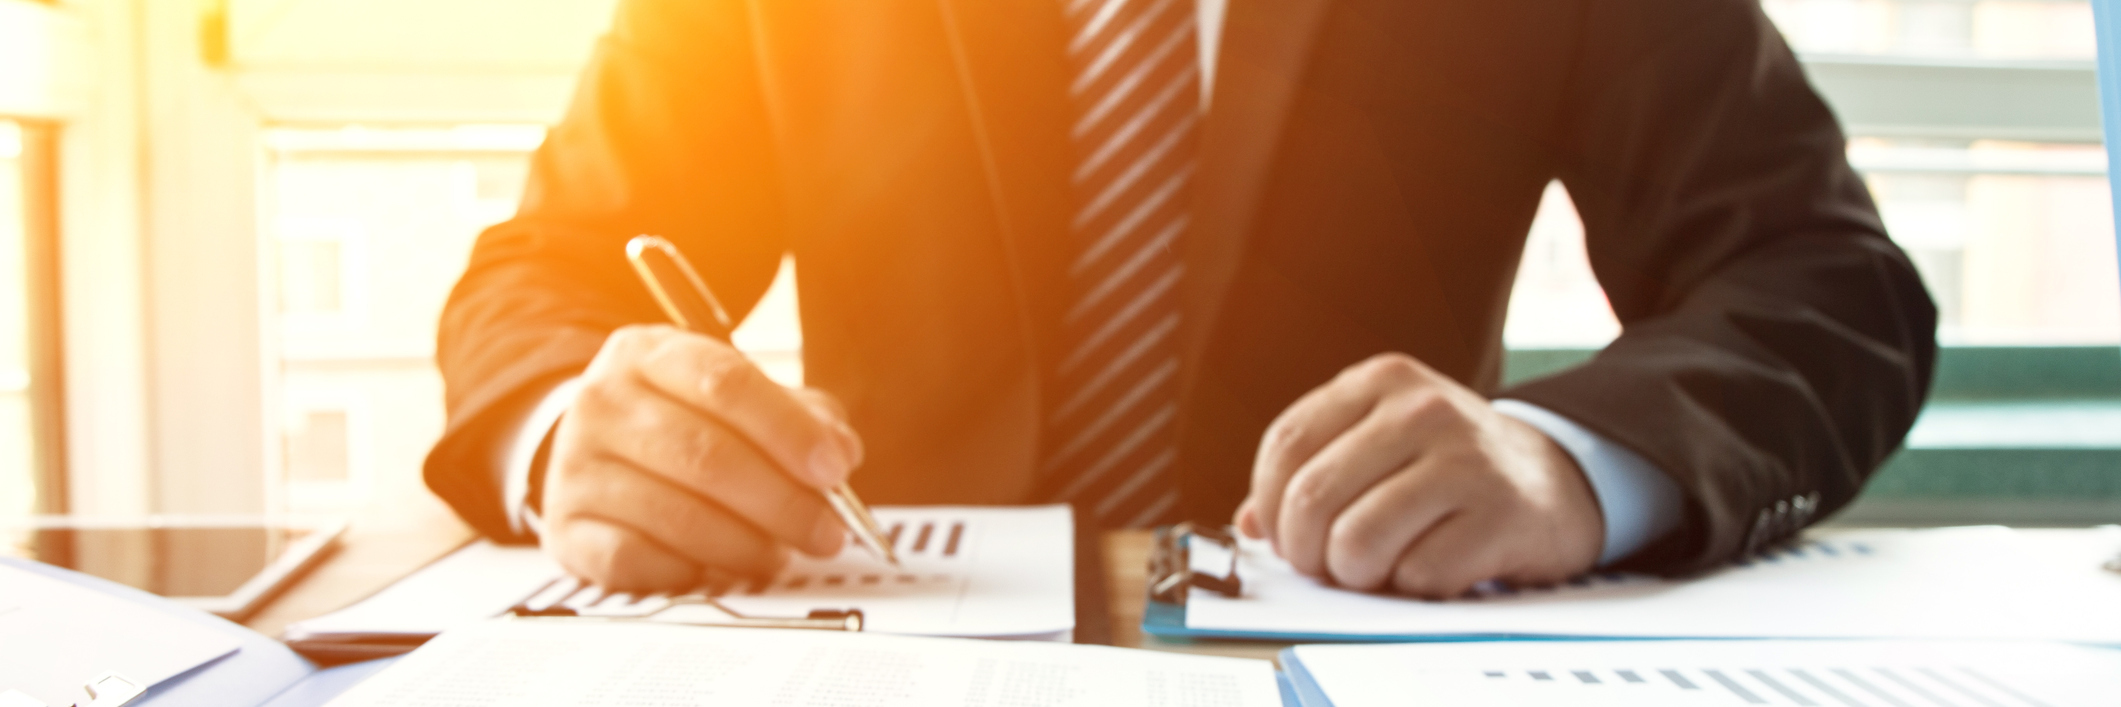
[39, 162]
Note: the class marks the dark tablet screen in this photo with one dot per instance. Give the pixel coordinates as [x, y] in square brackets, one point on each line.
[180, 561]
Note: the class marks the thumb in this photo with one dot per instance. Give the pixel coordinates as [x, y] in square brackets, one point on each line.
[1247, 520]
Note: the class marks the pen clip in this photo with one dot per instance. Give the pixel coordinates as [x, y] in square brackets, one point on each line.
[661, 268]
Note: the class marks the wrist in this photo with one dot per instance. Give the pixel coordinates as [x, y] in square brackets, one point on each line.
[1562, 495]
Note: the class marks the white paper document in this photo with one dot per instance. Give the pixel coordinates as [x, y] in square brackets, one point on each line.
[478, 581]
[1972, 582]
[558, 662]
[55, 636]
[1776, 673]
[967, 571]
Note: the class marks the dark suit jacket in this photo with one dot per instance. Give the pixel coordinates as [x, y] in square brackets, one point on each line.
[1368, 172]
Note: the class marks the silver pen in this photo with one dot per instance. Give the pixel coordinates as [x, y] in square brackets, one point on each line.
[662, 268]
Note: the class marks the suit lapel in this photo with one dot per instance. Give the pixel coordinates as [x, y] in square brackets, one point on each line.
[1266, 45]
[1010, 59]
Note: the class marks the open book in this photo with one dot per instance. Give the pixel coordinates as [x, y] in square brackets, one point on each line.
[567, 663]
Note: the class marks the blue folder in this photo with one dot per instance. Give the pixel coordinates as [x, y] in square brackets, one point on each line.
[261, 673]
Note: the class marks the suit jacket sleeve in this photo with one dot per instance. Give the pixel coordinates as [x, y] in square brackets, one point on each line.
[1776, 344]
[668, 134]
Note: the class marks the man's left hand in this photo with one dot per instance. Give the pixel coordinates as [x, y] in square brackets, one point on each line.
[1393, 477]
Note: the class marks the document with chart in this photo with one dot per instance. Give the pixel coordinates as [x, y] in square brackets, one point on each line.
[1774, 673]
[1972, 582]
[964, 571]
[990, 572]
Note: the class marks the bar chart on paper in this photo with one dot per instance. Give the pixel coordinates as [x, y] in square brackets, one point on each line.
[964, 571]
[1779, 673]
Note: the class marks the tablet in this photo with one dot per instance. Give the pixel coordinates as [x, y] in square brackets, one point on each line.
[227, 565]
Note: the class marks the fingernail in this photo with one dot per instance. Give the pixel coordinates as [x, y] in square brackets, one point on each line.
[827, 536]
[829, 464]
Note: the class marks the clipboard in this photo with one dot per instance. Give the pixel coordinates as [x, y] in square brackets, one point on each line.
[1173, 578]
[1932, 583]
[571, 598]
[561, 598]
[1016, 558]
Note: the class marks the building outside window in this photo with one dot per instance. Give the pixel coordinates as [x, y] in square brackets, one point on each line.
[372, 226]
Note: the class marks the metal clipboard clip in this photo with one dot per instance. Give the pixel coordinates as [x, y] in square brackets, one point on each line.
[568, 598]
[1171, 573]
[106, 690]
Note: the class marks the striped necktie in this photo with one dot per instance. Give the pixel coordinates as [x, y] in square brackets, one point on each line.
[1111, 419]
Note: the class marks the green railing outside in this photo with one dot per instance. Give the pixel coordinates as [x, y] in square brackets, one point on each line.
[2020, 435]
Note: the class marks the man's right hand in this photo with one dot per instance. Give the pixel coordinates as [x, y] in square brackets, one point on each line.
[680, 460]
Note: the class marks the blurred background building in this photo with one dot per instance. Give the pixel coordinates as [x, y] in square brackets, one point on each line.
[227, 226]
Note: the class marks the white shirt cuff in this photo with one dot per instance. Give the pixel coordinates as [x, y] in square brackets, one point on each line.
[520, 455]
[1639, 502]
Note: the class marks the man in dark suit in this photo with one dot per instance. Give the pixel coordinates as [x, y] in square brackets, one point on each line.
[1169, 259]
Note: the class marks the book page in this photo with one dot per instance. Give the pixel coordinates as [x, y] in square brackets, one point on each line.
[581, 663]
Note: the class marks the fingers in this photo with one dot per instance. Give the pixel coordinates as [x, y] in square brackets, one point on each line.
[1459, 552]
[659, 515]
[618, 558]
[715, 379]
[1393, 476]
[709, 460]
[1385, 441]
[1374, 531]
[1312, 422]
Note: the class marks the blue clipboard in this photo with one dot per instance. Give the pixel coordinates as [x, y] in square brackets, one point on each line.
[1172, 578]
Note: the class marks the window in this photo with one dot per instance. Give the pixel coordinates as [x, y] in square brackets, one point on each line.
[371, 226]
[18, 478]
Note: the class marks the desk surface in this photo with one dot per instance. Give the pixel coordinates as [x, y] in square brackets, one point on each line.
[378, 550]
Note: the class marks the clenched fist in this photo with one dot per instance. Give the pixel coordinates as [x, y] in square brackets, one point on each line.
[1393, 477]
